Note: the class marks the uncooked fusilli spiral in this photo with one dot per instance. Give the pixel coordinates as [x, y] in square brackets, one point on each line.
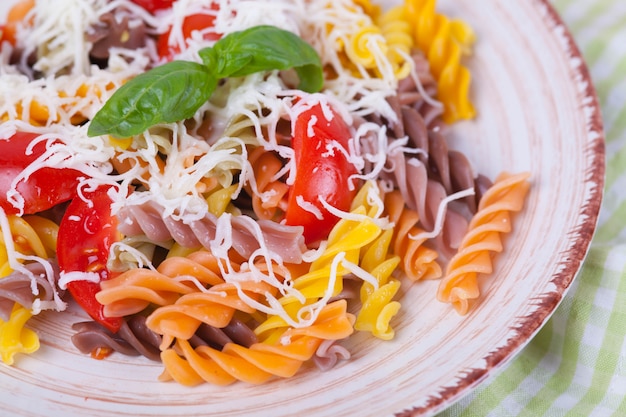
[493, 218]
[261, 361]
[268, 194]
[444, 41]
[147, 218]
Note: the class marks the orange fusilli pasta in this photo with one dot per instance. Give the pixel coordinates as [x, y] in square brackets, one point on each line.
[261, 361]
[418, 261]
[269, 200]
[214, 307]
[493, 218]
[137, 288]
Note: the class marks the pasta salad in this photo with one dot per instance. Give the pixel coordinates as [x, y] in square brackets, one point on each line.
[233, 188]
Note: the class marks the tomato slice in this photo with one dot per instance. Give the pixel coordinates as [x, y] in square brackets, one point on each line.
[321, 172]
[41, 190]
[86, 233]
[193, 22]
[154, 5]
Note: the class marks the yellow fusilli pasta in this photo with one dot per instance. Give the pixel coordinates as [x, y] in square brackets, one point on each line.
[14, 337]
[366, 46]
[377, 304]
[398, 34]
[325, 274]
[444, 41]
[31, 235]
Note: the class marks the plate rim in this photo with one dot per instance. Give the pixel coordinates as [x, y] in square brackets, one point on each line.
[570, 261]
[524, 328]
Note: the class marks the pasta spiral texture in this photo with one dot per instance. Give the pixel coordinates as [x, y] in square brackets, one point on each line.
[269, 201]
[132, 339]
[214, 307]
[30, 235]
[134, 290]
[398, 35]
[149, 219]
[418, 261]
[444, 41]
[324, 278]
[354, 242]
[381, 44]
[426, 178]
[378, 306]
[366, 46]
[261, 361]
[493, 218]
[14, 337]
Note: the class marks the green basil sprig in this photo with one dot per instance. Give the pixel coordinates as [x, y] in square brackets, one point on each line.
[176, 90]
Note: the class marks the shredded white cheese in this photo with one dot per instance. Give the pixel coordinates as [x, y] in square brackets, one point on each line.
[441, 214]
[245, 111]
[67, 277]
[383, 223]
[309, 207]
[16, 260]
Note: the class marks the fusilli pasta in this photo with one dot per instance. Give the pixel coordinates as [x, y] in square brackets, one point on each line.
[261, 361]
[444, 41]
[271, 203]
[269, 199]
[418, 261]
[132, 291]
[398, 34]
[460, 283]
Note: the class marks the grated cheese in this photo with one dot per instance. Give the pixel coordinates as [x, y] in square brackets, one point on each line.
[441, 212]
[16, 260]
[309, 207]
[383, 223]
[67, 277]
[244, 111]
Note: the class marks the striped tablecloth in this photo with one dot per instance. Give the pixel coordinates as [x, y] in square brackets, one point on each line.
[576, 365]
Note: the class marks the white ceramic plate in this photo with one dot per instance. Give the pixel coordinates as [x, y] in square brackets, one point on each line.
[537, 112]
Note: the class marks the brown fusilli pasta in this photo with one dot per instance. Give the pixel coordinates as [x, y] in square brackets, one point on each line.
[287, 241]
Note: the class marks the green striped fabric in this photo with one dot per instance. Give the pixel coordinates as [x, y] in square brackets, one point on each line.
[576, 365]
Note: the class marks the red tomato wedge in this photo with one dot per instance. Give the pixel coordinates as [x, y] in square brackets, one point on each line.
[322, 171]
[85, 236]
[42, 189]
[154, 5]
[194, 22]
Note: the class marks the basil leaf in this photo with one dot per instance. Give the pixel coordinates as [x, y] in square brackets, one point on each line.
[165, 94]
[265, 48]
[174, 91]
